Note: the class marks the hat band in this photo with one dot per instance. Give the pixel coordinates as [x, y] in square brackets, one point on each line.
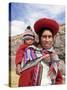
[25, 37]
[28, 35]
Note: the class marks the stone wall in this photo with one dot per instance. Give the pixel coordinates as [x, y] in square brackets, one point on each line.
[60, 42]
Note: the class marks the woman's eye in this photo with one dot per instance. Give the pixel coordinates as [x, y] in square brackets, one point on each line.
[44, 36]
[47, 36]
[50, 36]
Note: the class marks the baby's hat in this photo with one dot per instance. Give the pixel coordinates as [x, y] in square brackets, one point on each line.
[28, 34]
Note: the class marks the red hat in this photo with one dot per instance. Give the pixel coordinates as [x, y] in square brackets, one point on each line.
[46, 23]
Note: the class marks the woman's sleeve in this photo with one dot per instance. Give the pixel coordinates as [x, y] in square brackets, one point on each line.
[55, 61]
[59, 78]
[54, 56]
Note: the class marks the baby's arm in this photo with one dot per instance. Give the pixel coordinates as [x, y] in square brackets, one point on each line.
[31, 64]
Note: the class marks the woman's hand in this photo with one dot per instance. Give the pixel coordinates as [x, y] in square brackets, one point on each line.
[18, 69]
[46, 57]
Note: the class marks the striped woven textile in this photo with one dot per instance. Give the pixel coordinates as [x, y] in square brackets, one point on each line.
[32, 53]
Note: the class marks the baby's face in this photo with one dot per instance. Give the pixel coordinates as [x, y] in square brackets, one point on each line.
[29, 41]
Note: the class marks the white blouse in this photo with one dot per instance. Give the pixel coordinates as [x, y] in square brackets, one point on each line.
[45, 78]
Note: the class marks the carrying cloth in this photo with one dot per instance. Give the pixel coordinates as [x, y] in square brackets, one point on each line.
[33, 53]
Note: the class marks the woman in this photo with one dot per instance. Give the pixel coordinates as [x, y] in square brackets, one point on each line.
[46, 30]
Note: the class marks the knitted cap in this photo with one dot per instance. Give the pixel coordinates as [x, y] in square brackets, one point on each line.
[28, 34]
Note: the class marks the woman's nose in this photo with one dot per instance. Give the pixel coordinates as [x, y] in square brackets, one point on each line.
[47, 38]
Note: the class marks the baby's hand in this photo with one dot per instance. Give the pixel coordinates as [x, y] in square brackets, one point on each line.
[18, 69]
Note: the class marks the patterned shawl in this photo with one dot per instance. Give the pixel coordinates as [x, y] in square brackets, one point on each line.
[33, 53]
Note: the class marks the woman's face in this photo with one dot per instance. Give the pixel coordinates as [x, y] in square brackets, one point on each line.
[46, 39]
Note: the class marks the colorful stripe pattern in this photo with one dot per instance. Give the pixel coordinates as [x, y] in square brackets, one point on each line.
[32, 54]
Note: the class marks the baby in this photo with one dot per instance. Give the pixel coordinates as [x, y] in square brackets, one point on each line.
[29, 39]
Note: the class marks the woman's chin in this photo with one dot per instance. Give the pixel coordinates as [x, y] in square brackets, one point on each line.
[47, 47]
